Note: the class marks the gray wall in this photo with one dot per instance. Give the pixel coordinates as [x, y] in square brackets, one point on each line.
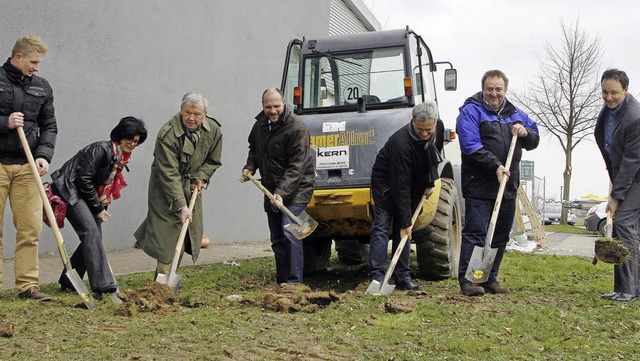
[108, 59]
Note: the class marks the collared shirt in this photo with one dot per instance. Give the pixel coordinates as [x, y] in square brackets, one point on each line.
[609, 126]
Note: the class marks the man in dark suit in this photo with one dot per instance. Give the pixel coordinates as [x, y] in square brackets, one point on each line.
[618, 136]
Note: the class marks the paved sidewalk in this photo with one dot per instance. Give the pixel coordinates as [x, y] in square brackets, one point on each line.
[134, 260]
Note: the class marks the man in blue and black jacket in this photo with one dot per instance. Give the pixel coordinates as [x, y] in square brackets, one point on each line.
[485, 126]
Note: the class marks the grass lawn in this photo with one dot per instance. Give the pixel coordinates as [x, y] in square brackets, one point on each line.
[554, 313]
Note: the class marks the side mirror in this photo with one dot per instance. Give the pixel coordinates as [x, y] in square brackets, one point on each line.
[450, 79]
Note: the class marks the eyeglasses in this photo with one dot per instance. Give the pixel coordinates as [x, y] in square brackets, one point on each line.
[131, 141]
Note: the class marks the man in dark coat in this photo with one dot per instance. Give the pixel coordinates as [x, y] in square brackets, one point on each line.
[404, 170]
[617, 134]
[279, 146]
[26, 100]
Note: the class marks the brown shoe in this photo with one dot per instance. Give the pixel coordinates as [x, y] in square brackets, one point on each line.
[495, 288]
[34, 294]
[471, 289]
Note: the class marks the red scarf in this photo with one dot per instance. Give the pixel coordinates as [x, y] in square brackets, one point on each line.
[112, 185]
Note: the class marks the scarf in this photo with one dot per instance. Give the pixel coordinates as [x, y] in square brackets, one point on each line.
[112, 185]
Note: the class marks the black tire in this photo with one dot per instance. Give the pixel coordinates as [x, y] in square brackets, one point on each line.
[438, 244]
[602, 227]
[317, 253]
[352, 251]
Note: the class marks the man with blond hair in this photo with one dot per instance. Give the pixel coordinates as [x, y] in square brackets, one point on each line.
[26, 100]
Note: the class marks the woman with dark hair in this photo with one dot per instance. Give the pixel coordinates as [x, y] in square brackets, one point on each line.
[88, 182]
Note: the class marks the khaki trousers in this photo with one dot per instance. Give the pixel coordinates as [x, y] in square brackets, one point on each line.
[18, 185]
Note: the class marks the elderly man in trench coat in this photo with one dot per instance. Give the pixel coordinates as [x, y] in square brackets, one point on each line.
[186, 154]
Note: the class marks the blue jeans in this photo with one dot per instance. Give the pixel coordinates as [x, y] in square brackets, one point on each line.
[476, 222]
[286, 248]
[379, 245]
[90, 256]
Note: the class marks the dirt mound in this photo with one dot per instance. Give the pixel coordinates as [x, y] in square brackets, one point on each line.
[291, 298]
[156, 298]
[609, 250]
[6, 330]
[396, 307]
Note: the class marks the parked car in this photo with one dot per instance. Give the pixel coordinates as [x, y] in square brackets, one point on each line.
[553, 211]
[596, 218]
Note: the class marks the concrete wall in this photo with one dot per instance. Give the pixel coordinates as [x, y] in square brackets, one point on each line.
[108, 59]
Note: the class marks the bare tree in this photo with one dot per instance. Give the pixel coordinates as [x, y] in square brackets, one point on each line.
[564, 98]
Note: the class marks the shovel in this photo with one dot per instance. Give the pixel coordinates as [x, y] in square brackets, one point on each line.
[71, 273]
[375, 288]
[482, 258]
[174, 280]
[302, 225]
[114, 295]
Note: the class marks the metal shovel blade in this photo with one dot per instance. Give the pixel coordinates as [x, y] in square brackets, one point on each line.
[80, 288]
[374, 288]
[386, 289]
[114, 298]
[174, 283]
[305, 228]
[162, 278]
[480, 264]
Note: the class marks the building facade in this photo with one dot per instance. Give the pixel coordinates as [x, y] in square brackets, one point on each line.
[112, 58]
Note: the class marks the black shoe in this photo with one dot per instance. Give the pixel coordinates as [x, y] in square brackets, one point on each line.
[471, 289]
[623, 297]
[607, 296]
[34, 294]
[495, 288]
[407, 285]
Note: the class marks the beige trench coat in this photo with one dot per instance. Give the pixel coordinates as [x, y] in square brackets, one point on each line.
[176, 162]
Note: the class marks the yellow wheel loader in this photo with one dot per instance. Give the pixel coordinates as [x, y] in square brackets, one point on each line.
[353, 92]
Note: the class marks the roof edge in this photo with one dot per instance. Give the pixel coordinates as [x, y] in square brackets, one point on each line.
[363, 14]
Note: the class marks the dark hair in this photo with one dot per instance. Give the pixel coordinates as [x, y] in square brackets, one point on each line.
[127, 128]
[495, 73]
[618, 75]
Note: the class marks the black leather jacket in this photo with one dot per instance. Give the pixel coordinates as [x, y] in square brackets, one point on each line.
[33, 97]
[82, 175]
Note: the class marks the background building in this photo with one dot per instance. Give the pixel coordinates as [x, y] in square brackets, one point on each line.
[112, 58]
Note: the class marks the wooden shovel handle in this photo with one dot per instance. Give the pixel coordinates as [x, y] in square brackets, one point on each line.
[45, 201]
[183, 234]
[503, 185]
[396, 255]
[282, 208]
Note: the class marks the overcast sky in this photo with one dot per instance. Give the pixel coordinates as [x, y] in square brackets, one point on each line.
[511, 35]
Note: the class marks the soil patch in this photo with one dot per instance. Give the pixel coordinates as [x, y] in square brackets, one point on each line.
[396, 307]
[157, 298]
[6, 330]
[609, 250]
[291, 298]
